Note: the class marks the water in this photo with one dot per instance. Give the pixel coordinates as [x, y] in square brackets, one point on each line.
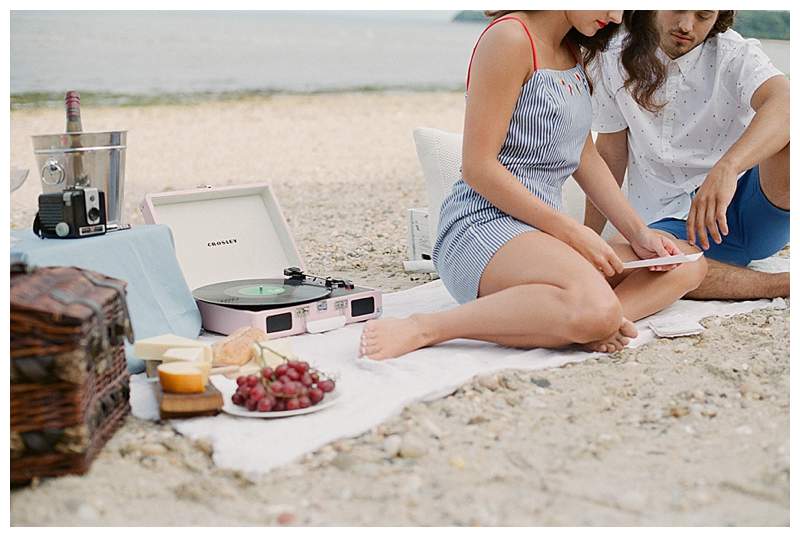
[158, 53]
[187, 52]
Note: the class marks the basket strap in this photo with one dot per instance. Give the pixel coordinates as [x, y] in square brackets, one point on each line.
[67, 299]
[42, 441]
[125, 322]
[34, 369]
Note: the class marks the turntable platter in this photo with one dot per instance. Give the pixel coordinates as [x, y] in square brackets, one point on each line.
[260, 293]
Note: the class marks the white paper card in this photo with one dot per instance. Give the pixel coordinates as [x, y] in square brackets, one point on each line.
[675, 327]
[667, 260]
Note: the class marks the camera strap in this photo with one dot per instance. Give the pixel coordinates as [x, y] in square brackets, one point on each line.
[37, 227]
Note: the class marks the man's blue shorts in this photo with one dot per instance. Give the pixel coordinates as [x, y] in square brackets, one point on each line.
[756, 228]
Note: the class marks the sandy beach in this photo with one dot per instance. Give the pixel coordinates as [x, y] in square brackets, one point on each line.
[691, 431]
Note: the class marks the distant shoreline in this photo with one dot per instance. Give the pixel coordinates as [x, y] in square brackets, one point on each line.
[38, 100]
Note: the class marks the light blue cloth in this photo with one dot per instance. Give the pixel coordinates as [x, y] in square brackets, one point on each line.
[159, 300]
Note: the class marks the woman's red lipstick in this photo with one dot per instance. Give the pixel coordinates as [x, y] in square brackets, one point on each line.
[602, 24]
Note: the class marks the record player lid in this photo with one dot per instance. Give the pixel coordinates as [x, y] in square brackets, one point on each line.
[225, 233]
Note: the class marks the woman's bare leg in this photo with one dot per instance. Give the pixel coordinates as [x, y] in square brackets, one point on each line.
[535, 292]
[643, 292]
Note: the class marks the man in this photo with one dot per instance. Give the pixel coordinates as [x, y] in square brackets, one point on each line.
[699, 116]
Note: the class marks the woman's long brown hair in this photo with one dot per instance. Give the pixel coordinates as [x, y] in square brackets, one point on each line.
[645, 72]
[589, 47]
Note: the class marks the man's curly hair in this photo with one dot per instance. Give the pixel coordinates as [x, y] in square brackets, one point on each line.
[645, 73]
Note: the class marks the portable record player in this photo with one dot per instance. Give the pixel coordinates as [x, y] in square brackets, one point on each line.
[238, 257]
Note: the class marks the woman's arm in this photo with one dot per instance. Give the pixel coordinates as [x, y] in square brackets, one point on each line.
[594, 177]
[613, 149]
[500, 67]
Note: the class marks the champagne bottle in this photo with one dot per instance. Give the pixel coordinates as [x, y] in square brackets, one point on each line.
[72, 102]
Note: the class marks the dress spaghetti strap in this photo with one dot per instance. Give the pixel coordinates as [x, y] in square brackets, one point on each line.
[524, 26]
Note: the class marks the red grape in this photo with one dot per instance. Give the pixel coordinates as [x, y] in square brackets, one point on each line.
[292, 404]
[276, 387]
[293, 374]
[290, 389]
[304, 401]
[302, 367]
[237, 399]
[252, 380]
[266, 372]
[326, 385]
[257, 392]
[285, 379]
[281, 370]
[306, 379]
[244, 391]
[315, 395]
[240, 380]
[251, 404]
[265, 405]
[279, 406]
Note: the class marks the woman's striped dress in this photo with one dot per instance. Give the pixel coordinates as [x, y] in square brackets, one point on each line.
[546, 135]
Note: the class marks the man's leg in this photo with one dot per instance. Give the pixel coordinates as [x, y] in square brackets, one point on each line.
[729, 282]
[757, 230]
[774, 173]
[734, 282]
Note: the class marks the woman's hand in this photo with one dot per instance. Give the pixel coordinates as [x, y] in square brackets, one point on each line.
[592, 247]
[648, 244]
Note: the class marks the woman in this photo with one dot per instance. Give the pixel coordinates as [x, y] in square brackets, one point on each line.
[525, 274]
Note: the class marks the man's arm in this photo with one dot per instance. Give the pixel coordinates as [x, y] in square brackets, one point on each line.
[767, 134]
[613, 147]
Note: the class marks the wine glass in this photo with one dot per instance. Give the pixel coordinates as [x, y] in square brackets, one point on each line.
[18, 176]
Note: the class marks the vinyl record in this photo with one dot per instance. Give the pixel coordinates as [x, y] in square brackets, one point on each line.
[260, 294]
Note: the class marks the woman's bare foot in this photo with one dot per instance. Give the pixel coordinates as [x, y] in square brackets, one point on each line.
[616, 341]
[390, 338]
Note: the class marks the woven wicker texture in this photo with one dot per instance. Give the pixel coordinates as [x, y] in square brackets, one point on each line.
[69, 379]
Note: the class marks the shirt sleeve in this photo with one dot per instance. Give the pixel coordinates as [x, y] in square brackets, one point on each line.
[606, 113]
[749, 67]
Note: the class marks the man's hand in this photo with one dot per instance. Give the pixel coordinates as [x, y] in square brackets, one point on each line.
[710, 205]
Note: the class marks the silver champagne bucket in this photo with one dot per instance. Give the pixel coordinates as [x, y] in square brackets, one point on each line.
[97, 157]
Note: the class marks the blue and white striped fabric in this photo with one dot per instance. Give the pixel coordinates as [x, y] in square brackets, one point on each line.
[546, 135]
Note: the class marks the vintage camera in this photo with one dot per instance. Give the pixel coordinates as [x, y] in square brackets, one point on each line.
[71, 214]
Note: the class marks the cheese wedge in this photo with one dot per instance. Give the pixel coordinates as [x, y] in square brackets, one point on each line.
[185, 354]
[182, 377]
[153, 348]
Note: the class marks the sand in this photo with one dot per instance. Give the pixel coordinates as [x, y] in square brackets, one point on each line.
[687, 431]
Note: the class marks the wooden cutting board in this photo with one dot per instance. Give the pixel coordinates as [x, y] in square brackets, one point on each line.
[189, 405]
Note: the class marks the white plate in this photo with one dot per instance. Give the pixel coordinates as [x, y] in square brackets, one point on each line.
[668, 260]
[228, 388]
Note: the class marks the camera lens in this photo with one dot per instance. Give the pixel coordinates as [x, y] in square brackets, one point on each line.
[94, 215]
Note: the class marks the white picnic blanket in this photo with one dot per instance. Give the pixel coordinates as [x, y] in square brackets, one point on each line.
[372, 392]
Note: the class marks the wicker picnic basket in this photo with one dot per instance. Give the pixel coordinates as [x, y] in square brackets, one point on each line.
[69, 378]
